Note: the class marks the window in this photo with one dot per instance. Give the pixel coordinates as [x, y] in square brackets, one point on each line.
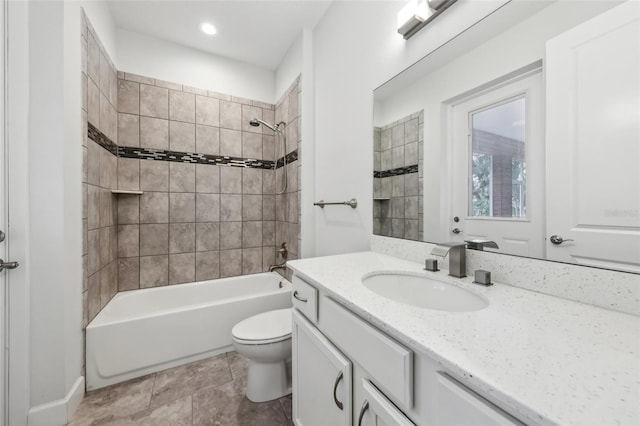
[498, 164]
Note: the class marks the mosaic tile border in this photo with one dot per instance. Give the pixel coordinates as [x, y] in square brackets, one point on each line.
[183, 157]
[101, 139]
[396, 172]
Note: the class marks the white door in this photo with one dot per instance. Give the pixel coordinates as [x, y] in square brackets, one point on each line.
[321, 378]
[3, 299]
[593, 141]
[497, 161]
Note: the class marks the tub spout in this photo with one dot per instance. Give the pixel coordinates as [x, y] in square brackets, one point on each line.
[282, 266]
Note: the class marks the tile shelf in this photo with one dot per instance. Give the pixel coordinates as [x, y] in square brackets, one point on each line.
[126, 192]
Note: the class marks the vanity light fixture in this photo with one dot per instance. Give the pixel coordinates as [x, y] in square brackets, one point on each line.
[207, 28]
[412, 15]
[418, 13]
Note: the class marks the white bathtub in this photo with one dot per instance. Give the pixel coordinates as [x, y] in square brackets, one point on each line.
[142, 331]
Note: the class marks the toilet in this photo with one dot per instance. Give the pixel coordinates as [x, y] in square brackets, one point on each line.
[265, 340]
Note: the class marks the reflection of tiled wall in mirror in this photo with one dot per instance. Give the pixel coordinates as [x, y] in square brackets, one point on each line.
[397, 178]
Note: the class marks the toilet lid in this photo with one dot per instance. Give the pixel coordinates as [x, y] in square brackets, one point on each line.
[265, 326]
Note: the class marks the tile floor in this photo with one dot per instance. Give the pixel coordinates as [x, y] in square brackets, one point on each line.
[207, 392]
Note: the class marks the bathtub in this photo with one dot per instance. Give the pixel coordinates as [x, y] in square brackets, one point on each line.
[143, 331]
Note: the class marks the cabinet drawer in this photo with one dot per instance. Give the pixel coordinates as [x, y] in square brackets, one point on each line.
[378, 410]
[305, 298]
[389, 363]
[458, 405]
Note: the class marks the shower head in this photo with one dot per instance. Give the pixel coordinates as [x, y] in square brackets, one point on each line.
[255, 122]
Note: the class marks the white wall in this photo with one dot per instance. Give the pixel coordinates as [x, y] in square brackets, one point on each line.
[355, 52]
[149, 56]
[290, 67]
[55, 269]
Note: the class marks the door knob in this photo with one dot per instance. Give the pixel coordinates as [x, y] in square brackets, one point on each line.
[456, 230]
[8, 265]
[557, 239]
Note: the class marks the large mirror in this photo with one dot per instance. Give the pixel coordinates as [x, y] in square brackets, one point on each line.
[523, 130]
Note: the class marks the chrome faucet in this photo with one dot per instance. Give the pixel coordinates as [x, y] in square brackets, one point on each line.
[481, 244]
[457, 257]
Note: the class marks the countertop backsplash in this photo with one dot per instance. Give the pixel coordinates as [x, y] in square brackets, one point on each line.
[619, 291]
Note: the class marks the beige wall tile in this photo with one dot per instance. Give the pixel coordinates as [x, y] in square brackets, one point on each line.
[230, 208]
[154, 101]
[252, 207]
[129, 174]
[182, 136]
[207, 236]
[230, 142]
[251, 261]
[128, 97]
[230, 235]
[128, 274]
[129, 209]
[182, 238]
[93, 58]
[207, 207]
[207, 265]
[154, 175]
[207, 140]
[154, 207]
[230, 115]
[182, 177]
[230, 263]
[182, 268]
[154, 133]
[182, 106]
[230, 180]
[128, 240]
[93, 103]
[182, 207]
[251, 181]
[207, 111]
[207, 178]
[252, 145]
[128, 130]
[154, 239]
[252, 234]
[154, 271]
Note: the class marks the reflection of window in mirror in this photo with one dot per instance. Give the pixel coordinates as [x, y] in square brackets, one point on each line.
[498, 160]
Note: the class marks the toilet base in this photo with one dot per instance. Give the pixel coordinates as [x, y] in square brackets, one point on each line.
[268, 381]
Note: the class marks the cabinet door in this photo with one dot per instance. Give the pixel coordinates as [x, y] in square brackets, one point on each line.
[321, 378]
[461, 406]
[377, 410]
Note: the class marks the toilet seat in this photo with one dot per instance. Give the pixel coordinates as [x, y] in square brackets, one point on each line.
[264, 328]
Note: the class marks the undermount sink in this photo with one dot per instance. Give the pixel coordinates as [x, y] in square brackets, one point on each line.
[423, 292]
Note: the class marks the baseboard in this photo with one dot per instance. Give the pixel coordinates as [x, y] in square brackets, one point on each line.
[59, 412]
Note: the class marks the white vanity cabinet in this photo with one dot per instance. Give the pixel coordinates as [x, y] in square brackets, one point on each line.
[321, 378]
[347, 372]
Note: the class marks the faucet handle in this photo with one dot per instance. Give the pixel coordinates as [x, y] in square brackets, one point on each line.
[481, 244]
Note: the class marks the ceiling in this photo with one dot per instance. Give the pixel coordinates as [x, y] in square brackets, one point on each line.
[258, 32]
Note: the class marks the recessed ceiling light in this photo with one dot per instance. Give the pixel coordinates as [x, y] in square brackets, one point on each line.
[207, 28]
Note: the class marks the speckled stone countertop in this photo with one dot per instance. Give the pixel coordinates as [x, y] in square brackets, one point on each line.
[545, 359]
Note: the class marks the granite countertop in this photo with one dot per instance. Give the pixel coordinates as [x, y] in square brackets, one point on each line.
[547, 360]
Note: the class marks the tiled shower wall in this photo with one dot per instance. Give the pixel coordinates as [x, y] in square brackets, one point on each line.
[208, 207]
[288, 217]
[398, 174]
[99, 102]
[193, 221]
